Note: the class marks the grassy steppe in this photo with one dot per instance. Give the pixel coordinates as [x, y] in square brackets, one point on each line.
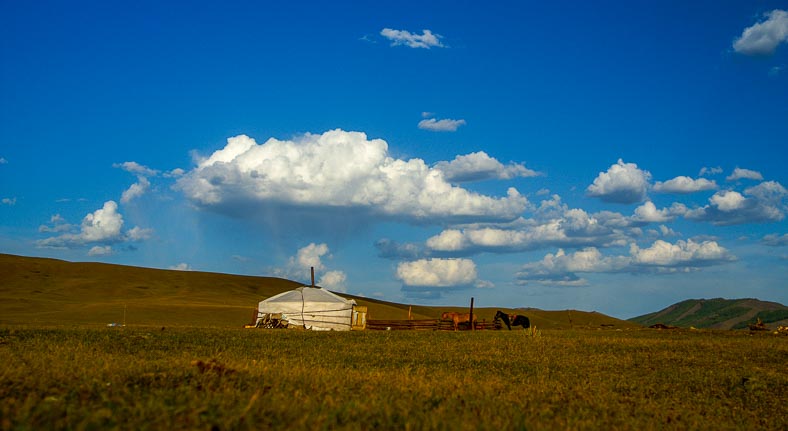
[41, 291]
[215, 378]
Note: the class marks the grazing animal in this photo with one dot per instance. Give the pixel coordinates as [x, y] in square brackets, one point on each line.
[457, 318]
[505, 317]
[513, 320]
[520, 320]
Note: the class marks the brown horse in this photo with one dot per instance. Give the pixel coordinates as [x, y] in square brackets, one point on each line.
[457, 318]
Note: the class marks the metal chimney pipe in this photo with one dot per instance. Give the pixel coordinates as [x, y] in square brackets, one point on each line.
[313, 275]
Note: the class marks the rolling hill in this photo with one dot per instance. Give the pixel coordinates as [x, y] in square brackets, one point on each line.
[718, 313]
[41, 291]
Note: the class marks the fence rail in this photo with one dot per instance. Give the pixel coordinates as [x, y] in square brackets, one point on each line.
[427, 325]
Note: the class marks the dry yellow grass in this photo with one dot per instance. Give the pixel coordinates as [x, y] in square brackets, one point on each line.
[190, 378]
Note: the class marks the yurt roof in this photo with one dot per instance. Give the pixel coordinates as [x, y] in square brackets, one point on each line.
[308, 294]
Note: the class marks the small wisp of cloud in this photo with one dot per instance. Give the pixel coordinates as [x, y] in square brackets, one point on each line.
[443, 125]
[100, 250]
[706, 171]
[426, 39]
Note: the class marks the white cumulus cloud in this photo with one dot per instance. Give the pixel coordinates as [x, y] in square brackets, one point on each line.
[561, 269]
[728, 200]
[100, 250]
[58, 225]
[648, 212]
[413, 40]
[135, 190]
[443, 125]
[762, 38]
[138, 234]
[683, 184]
[175, 173]
[313, 256]
[767, 191]
[740, 173]
[142, 185]
[332, 171]
[437, 272]
[334, 280]
[553, 225]
[103, 226]
[621, 183]
[480, 166]
[763, 203]
[681, 254]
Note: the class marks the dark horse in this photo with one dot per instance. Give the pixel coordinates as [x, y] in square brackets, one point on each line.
[513, 320]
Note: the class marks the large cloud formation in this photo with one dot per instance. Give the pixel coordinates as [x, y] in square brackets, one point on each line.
[623, 183]
[758, 204]
[552, 224]
[561, 269]
[762, 38]
[336, 170]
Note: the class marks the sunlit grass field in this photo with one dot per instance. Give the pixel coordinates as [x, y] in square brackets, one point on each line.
[189, 378]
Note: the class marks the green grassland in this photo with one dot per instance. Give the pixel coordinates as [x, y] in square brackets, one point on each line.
[227, 378]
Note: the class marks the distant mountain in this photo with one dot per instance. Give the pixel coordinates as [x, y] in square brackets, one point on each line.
[718, 313]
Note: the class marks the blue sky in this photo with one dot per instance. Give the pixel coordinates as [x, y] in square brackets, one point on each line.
[615, 157]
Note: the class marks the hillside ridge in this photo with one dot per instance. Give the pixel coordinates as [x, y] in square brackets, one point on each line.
[35, 291]
[718, 313]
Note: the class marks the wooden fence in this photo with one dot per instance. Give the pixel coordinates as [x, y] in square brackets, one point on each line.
[428, 325]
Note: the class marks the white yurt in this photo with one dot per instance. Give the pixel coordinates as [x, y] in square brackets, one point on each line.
[308, 307]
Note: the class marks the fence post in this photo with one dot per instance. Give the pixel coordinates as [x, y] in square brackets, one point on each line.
[473, 327]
